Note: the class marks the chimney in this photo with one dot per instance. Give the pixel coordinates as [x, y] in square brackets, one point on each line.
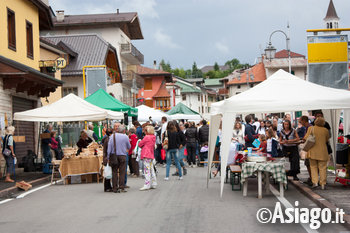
[60, 15]
[155, 64]
[117, 11]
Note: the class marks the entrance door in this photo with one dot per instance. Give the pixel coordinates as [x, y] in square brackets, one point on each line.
[23, 128]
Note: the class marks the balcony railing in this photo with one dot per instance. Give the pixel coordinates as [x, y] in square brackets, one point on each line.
[131, 53]
[132, 79]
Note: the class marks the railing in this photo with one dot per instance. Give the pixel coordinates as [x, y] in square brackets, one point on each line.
[128, 100]
[129, 48]
[132, 79]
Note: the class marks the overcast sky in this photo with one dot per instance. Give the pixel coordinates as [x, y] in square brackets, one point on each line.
[208, 31]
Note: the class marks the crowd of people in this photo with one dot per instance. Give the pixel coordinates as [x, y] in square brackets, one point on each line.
[283, 139]
[141, 147]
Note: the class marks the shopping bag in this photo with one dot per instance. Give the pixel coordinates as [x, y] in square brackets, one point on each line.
[310, 141]
[185, 152]
[107, 172]
[256, 143]
[162, 154]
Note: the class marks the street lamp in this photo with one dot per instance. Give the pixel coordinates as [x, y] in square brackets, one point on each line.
[270, 51]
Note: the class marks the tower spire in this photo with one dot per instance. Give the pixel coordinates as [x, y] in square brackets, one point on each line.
[331, 12]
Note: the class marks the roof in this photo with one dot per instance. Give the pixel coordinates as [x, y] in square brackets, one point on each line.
[195, 80]
[206, 69]
[212, 82]
[257, 70]
[30, 70]
[141, 70]
[104, 100]
[48, 44]
[180, 108]
[331, 12]
[162, 91]
[45, 20]
[130, 20]
[91, 50]
[284, 54]
[187, 88]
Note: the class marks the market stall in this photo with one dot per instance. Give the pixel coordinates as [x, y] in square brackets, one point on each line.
[182, 112]
[144, 112]
[272, 96]
[68, 109]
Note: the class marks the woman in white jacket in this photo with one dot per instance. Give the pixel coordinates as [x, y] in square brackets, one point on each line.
[238, 134]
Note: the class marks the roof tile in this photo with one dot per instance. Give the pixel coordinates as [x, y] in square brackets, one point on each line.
[258, 71]
[284, 54]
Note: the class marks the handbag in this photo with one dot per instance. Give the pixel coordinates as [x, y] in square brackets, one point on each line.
[107, 172]
[162, 154]
[7, 152]
[165, 141]
[310, 141]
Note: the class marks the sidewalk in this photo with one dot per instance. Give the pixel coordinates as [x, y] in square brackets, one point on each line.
[35, 178]
[334, 196]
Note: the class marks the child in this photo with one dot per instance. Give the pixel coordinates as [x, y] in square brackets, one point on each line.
[272, 143]
[263, 144]
[204, 152]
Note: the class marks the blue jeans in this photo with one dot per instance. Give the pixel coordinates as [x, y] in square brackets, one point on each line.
[182, 156]
[48, 158]
[169, 154]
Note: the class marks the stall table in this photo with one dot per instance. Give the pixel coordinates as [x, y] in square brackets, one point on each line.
[80, 165]
[277, 171]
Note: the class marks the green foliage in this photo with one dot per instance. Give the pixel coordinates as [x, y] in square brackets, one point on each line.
[197, 73]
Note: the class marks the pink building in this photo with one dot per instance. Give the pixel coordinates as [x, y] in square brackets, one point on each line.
[154, 94]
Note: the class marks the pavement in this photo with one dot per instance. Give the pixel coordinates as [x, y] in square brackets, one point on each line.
[175, 206]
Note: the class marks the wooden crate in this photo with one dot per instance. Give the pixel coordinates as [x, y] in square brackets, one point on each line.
[23, 185]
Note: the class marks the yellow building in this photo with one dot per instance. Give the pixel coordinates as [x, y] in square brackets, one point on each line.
[21, 82]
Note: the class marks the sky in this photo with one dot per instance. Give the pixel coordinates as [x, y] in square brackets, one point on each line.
[207, 31]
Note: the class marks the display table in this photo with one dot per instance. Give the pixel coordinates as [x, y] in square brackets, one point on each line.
[80, 165]
[277, 171]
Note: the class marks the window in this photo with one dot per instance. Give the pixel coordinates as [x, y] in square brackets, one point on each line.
[330, 25]
[202, 109]
[148, 84]
[239, 87]
[206, 98]
[293, 72]
[252, 85]
[199, 97]
[68, 90]
[183, 97]
[11, 29]
[29, 33]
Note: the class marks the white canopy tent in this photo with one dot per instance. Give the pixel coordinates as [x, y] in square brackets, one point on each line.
[144, 112]
[69, 108]
[282, 92]
[195, 118]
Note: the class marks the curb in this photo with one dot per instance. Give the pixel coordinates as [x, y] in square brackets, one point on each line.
[318, 200]
[6, 193]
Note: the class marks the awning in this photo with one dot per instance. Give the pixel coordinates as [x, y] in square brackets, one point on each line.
[24, 78]
[104, 100]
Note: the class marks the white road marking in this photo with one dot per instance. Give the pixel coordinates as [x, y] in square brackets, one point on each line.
[5, 201]
[32, 191]
[287, 204]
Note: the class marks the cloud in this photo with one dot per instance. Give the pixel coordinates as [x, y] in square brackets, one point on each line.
[222, 47]
[165, 40]
[145, 8]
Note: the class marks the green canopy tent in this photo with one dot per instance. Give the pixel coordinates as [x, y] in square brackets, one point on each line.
[104, 100]
[181, 111]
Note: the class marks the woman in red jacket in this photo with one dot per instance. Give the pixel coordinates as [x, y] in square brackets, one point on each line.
[133, 165]
[147, 156]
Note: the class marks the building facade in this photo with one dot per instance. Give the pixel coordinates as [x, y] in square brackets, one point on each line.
[21, 82]
[118, 29]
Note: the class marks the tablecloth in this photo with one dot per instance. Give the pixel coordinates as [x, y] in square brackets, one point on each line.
[80, 165]
[276, 169]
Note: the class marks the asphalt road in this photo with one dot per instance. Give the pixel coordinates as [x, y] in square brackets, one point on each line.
[175, 206]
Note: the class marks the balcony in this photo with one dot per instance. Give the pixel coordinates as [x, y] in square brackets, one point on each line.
[133, 80]
[130, 53]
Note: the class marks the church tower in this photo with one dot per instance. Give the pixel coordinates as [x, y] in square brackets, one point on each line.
[331, 20]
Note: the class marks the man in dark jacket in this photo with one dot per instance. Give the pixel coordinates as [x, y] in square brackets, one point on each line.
[46, 144]
[203, 133]
[249, 132]
[191, 144]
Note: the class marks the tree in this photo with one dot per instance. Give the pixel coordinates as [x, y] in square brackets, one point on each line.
[216, 67]
[165, 66]
[196, 73]
[233, 64]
